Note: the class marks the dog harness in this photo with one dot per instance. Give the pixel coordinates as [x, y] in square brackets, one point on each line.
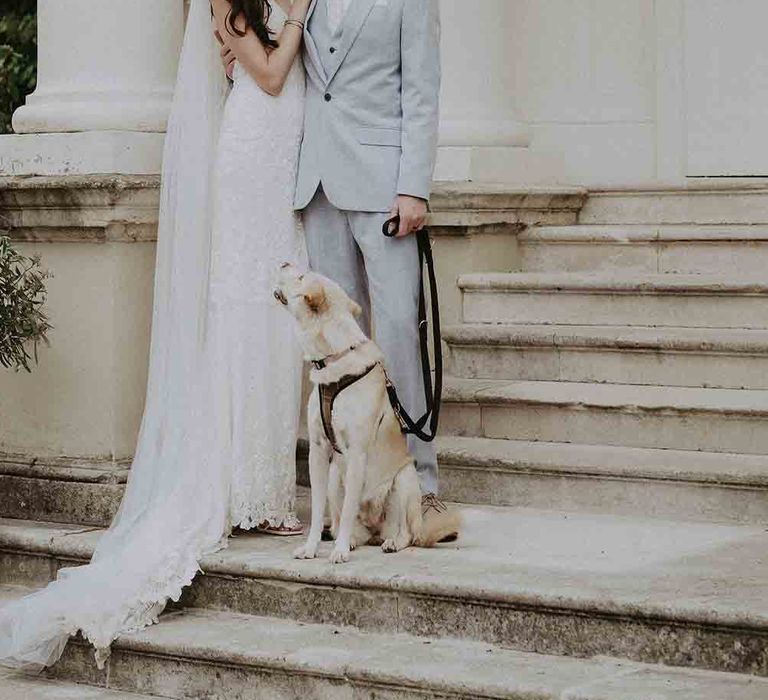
[328, 393]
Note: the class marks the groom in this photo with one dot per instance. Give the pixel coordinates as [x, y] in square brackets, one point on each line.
[370, 139]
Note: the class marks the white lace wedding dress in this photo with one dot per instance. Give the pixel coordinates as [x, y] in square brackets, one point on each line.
[258, 361]
[217, 442]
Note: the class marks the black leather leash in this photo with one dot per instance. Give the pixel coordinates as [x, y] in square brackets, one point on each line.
[432, 395]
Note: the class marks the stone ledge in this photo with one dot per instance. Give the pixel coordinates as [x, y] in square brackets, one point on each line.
[616, 299]
[451, 196]
[681, 418]
[61, 490]
[670, 249]
[75, 469]
[573, 489]
[628, 398]
[626, 463]
[740, 342]
[80, 208]
[191, 653]
[700, 203]
[124, 208]
[631, 234]
[110, 183]
[616, 283]
[637, 355]
[472, 205]
[59, 500]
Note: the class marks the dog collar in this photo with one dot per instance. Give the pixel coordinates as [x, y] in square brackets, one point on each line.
[329, 359]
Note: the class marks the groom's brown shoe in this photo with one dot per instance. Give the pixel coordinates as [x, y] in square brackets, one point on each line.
[432, 506]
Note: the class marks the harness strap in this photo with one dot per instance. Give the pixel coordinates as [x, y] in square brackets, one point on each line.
[328, 393]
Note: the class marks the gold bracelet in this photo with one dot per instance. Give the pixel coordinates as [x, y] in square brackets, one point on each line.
[296, 22]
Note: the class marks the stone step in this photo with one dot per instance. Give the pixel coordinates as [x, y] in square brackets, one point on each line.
[682, 249]
[220, 656]
[696, 204]
[695, 357]
[684, 418]
[594, 478]
[567, 584]
[58, 493]
[15, 685]
[616, 299]
[66, 494]
[685, 485]
[481, 203]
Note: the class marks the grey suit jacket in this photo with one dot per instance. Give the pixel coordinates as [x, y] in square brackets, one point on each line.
[371, 120]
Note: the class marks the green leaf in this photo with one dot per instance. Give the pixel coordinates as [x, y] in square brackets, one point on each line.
[23, 322]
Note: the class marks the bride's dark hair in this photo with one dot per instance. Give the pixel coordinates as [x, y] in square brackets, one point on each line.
[256, 14]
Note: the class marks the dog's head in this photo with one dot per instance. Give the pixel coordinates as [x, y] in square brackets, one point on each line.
[324, 312]
[309, 295]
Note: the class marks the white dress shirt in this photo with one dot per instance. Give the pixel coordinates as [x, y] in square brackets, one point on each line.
[336, 11]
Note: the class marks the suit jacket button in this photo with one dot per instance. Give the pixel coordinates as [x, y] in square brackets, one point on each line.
[328, 97]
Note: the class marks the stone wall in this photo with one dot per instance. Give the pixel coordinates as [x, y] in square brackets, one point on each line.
[84, 400]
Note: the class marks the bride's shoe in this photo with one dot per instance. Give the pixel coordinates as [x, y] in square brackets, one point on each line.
[290, 527]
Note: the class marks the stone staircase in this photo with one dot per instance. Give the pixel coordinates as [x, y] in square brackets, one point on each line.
[529, 604]
[606, 421]
[621, 368]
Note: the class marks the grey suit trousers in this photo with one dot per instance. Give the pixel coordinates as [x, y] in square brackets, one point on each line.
[382, 275]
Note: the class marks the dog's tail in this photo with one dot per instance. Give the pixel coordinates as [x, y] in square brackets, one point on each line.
[435, 526]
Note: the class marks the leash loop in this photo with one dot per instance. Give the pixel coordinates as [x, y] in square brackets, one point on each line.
[432, 394]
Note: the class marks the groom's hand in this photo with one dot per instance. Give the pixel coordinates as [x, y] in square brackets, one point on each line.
[412, 212]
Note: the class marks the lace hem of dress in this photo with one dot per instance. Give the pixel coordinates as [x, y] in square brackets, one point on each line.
[145, 610]
[248, 516]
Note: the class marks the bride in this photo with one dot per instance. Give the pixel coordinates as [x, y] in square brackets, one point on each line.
[217, 443]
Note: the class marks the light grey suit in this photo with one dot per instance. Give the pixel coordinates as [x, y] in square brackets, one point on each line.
[370, 134]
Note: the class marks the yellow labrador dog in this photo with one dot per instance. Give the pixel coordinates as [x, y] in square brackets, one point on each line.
[358, 458]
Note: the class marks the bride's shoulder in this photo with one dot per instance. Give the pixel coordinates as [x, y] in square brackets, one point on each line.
[221, 8]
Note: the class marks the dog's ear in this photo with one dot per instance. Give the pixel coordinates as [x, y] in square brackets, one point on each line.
[355, 308]
[315, 297]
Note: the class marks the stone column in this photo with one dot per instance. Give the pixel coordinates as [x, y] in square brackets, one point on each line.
[106, 72]
[92, 133]
[480, 135]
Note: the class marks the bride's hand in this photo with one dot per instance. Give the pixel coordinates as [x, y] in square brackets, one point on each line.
[268, 65]
[227, 57]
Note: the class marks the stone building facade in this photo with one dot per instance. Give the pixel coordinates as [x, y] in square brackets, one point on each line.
[600, 219]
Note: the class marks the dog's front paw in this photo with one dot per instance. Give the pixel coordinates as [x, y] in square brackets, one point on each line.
[389, 546]
[308, 551]
[339, 556]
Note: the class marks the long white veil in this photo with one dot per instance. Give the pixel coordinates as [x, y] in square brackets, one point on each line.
[175, 507]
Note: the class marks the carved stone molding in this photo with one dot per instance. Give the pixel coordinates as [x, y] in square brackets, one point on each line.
[89, 208]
